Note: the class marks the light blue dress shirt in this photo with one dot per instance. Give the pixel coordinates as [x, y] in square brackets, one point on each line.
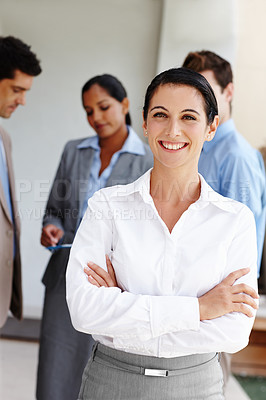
[235, 169]
[4, 178]
[133, 145]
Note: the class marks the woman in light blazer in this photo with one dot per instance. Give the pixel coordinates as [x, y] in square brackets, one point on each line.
[115, 155]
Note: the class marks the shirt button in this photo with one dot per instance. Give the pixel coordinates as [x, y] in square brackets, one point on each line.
[9, 233]
[9, 263]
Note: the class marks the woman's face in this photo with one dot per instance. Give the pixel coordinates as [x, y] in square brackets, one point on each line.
[176, 126]
[105, 114]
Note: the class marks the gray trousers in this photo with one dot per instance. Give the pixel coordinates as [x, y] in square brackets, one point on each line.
[63, 352]
[116, 375]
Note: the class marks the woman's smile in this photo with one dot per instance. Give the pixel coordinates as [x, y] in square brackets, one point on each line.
[172, 146]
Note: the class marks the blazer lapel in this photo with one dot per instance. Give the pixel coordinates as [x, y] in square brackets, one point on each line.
[85, 159]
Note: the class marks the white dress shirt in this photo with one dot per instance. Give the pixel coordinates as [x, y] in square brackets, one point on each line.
[162, 274]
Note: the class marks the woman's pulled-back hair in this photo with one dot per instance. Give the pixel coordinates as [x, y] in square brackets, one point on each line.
[112, 86]
[184, 76]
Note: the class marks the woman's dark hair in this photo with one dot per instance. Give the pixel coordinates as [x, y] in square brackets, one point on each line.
[112, 86]
[184, 76]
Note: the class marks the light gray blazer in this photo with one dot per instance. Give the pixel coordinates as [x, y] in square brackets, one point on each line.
[10, 267]
[68, 194]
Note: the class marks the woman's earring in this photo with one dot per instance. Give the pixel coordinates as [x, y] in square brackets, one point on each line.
[146, 133]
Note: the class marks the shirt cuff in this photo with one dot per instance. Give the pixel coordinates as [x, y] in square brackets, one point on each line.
[163, 308]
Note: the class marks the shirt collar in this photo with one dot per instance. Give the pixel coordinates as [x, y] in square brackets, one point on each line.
[133, 143]
[222, 131]
[92, 142]
[207, 195]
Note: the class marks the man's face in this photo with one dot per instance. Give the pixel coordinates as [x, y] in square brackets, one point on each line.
[13, 92]
[223, 96]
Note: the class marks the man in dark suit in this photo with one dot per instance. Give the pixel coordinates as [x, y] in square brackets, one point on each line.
[18, 67]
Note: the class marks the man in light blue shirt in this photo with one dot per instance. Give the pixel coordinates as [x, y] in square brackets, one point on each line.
[228, 163]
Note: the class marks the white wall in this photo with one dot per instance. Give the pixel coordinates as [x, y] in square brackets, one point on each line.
[193, 25]
[236, 30]
[75, 40]
[250, 71]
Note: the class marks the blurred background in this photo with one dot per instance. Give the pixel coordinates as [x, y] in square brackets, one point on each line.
[133, 40]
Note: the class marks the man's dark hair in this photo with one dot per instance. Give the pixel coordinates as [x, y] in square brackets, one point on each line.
[16, 55]
[204, 60]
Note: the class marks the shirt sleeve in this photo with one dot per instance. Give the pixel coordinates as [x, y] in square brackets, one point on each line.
[109, 311]
[229, 333]
[175, 319]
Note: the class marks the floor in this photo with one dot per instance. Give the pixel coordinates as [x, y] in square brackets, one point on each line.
[255, 386]
[18, 363]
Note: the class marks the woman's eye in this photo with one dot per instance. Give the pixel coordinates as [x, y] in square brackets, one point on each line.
[89, 113]
[104, 108]
[160, 115]
[189, 117]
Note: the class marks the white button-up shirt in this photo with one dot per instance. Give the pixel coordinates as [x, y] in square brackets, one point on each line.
[161, 274]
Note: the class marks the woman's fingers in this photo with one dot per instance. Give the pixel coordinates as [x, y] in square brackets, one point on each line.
[51, 234]
[45, 242]
[243, 288]
[244, 299]
[227, 297]
[231, 278]
[111, 270]
[102, 277]
[242, 308]
[96, 276]
[93, 281]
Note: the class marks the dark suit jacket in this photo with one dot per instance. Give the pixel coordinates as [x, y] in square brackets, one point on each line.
[68, 194]
[10, 267]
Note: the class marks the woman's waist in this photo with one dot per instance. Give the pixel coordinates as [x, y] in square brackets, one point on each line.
[119, 357]
[151, 349]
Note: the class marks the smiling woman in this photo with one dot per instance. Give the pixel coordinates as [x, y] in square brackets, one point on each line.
[173, 127]
[179, 283]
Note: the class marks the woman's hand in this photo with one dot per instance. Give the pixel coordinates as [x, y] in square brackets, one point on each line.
[97, 276]
[227, 297]
[51, 235]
